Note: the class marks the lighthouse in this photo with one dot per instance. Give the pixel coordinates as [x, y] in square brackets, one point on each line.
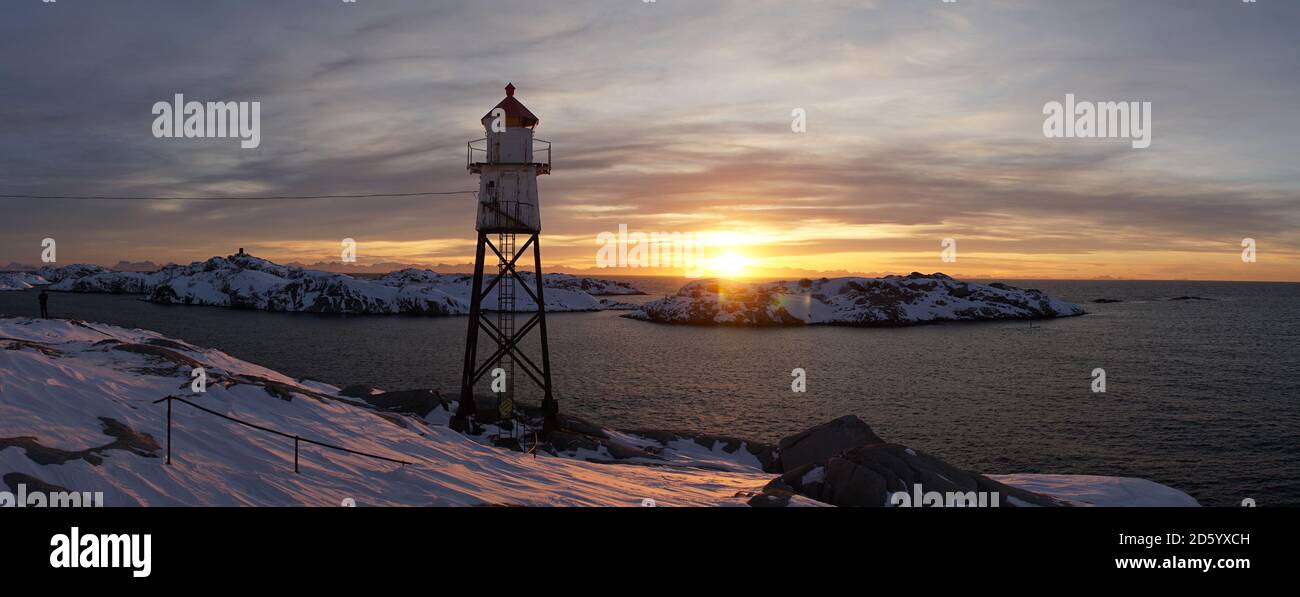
[508, 161]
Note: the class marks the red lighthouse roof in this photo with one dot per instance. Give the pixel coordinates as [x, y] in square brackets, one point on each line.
[516, 114]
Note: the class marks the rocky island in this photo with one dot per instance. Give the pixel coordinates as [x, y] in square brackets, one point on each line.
[243, 281]
[851, 301]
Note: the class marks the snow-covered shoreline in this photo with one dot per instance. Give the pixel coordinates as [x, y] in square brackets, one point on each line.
[888, 301]
[247, 282]
[77, 412]
[73, 389]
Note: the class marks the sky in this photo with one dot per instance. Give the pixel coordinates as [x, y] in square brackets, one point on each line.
[924, 122]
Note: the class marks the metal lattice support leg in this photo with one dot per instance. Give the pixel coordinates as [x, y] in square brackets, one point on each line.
[467, 408]
[550, 407]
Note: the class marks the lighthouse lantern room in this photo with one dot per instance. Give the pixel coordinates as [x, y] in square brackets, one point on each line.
[508, 161]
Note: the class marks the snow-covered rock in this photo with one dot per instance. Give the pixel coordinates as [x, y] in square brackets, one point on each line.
[592, 286]
[560, 296]
[55, 274]
[247, 282]
[244, 281]
[567, 282]
[77, 412]
[20, 280]
[107, 282]
[887, 301]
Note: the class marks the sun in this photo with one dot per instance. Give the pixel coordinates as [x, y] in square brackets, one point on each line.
[731, 264]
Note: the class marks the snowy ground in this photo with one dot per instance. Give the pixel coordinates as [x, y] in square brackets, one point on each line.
[63, 378]
[1093, 490]
[65, 386]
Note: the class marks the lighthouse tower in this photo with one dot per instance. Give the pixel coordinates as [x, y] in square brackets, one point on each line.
[508, 161]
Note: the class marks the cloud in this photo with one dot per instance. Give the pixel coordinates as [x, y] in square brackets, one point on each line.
[924, 123]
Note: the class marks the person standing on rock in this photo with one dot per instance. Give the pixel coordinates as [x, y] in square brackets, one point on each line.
[45, 304]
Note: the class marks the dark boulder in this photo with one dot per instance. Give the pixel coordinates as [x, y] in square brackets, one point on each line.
[844, 463]
[866, 476]
[823, 441]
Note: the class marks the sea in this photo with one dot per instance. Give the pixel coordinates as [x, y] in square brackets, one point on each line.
[1202, 379]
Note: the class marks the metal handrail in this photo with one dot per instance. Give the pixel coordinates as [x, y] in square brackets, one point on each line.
[547, 148]
[296, 439]
[471, 150]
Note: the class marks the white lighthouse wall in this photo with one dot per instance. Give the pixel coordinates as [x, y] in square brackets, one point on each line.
[508, 199]
[512, 146]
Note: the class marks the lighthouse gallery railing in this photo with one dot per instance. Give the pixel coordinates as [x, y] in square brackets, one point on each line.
[476, 153]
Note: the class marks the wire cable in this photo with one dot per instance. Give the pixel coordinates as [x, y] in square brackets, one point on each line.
[243, 198]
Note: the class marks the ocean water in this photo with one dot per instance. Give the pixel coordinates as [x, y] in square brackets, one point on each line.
[1203, 395]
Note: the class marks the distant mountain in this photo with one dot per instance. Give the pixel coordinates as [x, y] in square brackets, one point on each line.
[383, 267]
[136, 266]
